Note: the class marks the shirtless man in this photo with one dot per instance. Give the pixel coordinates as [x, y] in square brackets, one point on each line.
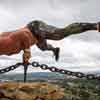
[37, 33]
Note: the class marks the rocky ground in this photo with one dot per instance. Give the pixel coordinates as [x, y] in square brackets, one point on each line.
[30, 91]
[66, 89]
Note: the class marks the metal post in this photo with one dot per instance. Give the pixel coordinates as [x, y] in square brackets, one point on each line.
[25, 71]
[25, 64]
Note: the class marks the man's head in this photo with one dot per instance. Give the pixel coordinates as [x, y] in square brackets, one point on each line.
[34, 27]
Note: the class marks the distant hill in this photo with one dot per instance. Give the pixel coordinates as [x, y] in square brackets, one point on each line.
[32, 76]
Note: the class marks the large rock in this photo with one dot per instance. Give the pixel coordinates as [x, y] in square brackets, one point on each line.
[30, 91]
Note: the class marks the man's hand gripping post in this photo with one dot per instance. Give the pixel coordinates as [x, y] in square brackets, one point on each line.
[26, 57]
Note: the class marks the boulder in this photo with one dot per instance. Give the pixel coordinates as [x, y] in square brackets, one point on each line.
[30, 91]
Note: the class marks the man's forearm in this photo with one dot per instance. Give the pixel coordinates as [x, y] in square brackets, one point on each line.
[26, 55]
[27, 50]
[45, 47]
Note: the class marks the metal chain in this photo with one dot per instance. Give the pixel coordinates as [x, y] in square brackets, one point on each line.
[10, 68]
[67, 72]
[52, 69]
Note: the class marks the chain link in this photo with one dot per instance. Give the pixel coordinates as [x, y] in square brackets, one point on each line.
[10, 68]
[67, 72]
[52, 69]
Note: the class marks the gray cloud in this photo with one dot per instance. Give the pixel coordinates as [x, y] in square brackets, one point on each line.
[80, 50]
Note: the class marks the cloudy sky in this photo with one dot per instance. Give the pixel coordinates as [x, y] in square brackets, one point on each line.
[78, 52]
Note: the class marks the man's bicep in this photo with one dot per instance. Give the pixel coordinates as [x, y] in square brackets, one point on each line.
[26, 43]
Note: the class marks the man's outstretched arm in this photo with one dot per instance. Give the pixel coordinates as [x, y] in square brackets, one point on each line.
[26, 43]
[43, 45]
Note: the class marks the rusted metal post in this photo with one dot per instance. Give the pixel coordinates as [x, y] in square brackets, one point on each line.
[25, 71]
[25, 64]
